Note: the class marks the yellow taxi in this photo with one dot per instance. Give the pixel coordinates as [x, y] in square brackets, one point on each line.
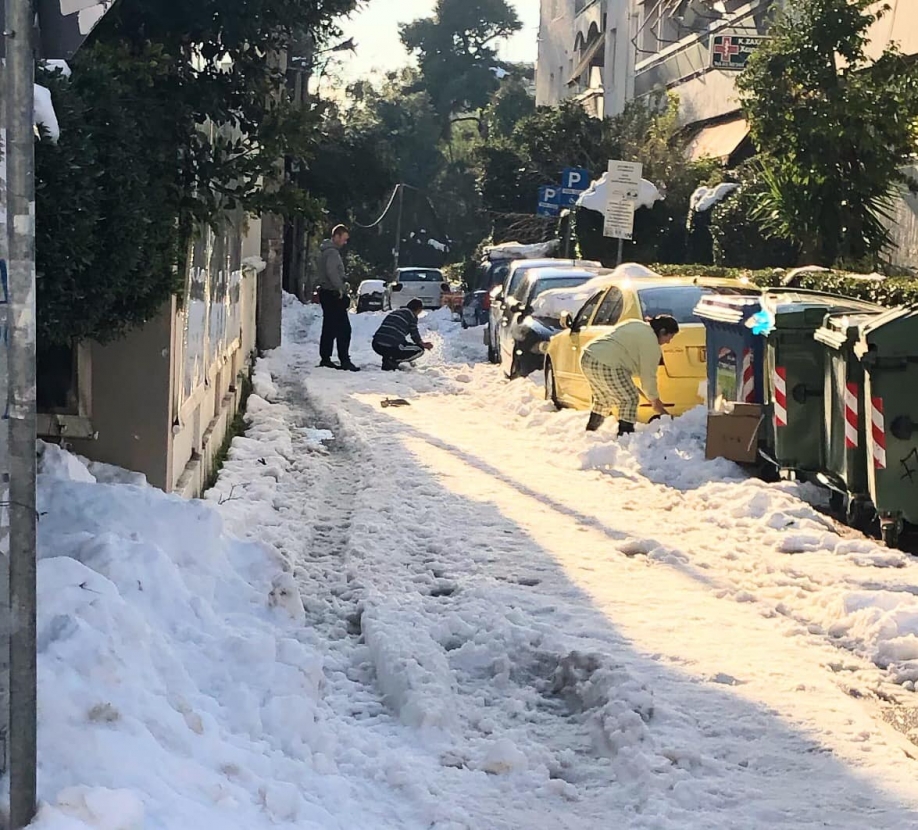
[683, 369]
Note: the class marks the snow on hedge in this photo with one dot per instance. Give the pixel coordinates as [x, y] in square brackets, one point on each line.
[597, 195]
[704, 198]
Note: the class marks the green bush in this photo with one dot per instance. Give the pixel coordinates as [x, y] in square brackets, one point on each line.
[891, 291]
[107, 204]
[739, 239]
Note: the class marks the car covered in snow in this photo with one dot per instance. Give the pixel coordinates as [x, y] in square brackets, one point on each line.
[682, 371]
[475, 308]
[371, 295]
[425, 284]
[515, 274]
[524, 329]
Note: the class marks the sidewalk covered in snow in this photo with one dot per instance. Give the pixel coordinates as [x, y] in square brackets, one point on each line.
[464, 613]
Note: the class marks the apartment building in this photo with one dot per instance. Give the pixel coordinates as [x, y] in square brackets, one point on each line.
[604, 53]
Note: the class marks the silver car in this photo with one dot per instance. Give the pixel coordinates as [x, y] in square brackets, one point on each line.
[518, 271]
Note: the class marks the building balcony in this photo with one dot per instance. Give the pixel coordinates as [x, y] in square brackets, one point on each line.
[690, 58]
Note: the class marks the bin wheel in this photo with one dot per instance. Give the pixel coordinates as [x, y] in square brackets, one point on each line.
[890, 530]
[859, 514]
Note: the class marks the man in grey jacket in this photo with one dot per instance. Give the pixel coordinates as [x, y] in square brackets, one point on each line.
[333, 296]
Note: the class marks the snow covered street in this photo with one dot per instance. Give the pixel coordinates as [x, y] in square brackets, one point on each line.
[464, 614]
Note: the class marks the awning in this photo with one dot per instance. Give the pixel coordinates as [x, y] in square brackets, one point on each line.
[719, 141]
[591, 51]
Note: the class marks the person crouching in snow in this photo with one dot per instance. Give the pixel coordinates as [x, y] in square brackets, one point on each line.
[610, 363]
[391, 339]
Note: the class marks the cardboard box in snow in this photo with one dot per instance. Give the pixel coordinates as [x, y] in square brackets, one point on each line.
[733, 432]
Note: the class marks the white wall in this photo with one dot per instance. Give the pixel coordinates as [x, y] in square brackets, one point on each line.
[904, 227]
[556, 49]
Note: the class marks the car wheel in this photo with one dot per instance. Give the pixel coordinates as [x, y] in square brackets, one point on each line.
[551, 390]
[515, 364]
[494, 354]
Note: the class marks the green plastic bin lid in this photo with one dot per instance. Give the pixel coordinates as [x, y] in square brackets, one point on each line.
[807, 311]
[893, 334]
[844, 329]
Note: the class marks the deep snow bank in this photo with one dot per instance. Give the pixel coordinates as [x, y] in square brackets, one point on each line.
[174, 691]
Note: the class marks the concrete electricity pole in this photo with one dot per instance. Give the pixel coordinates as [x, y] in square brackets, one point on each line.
[19, 96]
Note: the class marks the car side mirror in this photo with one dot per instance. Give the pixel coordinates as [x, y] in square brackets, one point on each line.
[566, 321]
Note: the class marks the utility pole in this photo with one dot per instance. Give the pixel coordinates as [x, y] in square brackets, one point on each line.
[4, 449]
[398, 228]
[20, 102]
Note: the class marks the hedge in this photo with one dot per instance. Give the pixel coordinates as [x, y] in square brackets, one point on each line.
[889, 291]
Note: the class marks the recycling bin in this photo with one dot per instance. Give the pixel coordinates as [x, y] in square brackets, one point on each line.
[795, 366]
[888, 351]
[762, 350]
[845, 438]
[735, 355]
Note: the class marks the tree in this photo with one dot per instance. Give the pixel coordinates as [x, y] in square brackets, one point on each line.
[833, 126]
[171, 118]
[456, 54]
[510, 104]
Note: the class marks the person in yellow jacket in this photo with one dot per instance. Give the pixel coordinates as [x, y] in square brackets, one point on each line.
[611, 362]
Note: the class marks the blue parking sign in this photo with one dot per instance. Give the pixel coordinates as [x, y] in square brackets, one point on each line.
[574, 180]
[549, 200]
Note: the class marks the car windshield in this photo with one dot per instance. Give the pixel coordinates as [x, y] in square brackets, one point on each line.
[420, 276]
[678, 301]
[538, 286]
[523, 271]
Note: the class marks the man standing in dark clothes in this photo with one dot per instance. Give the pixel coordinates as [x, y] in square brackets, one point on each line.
[391, 339]
[333, 296]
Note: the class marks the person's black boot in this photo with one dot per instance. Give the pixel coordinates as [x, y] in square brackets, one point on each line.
[595, 422]
[347, 366]
[389, 365]
[325, 363]
[625, 427]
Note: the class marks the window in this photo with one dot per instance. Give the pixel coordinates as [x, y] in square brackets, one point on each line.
[583, 316]
[420, 276]
[538, 286]
[610, 311]
[679, 301]
[499, 274]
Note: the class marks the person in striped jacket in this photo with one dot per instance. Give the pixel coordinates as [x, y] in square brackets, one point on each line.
[398, 340]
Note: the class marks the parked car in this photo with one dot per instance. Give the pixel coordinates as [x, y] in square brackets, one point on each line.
[475, 307]
[425, 284]
[683, 371]
[516, 272]
[522, 333]
[371, 295]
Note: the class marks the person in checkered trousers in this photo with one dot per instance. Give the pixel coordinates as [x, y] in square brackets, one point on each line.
[611, 362]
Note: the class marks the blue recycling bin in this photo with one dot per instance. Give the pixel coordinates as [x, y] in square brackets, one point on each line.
[735, 355]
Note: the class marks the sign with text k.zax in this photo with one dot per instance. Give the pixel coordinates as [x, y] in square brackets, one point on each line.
[623, 182]
[63, 25]
[733, 51]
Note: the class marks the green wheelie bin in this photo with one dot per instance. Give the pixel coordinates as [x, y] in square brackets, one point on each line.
[845, 437]
[796, 377]
[888, 350]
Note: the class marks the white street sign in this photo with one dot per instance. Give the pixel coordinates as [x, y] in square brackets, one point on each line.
[624, 180]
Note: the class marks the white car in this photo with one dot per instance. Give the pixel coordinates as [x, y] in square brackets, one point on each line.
[425, 284]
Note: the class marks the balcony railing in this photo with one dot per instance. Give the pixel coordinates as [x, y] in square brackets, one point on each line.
[689, 58]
